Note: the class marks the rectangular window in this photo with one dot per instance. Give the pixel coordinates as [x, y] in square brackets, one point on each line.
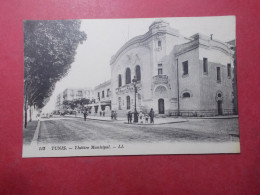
[159, 43]
[205, 65]
[108, 91]
[103, 94]
[229, 70]
[185, 66]
[218, 75]
[160, 70]
[98, 95]
[119, 103]
[80, 94]
[127, 102]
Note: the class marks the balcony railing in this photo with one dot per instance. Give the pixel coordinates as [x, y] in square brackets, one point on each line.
[160, 79]
[128, 88]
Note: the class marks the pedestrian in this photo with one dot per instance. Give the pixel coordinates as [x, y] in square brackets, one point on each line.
[104, 113]
[115, 115]
[129, 117]
[85, 115]
[141, 117]
[151, 114]
[146, 118]
[112, 114]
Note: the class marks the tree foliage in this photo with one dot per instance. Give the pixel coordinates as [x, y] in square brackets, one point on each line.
[49, 50]
[76, 103]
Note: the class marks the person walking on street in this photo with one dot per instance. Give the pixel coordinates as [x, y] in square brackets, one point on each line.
[112, 114]
[115, 115]
[151, 114]
[141, 117]
[85, 115]
[146, 118]
[129, 117]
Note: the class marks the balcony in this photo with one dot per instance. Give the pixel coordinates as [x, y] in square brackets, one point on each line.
[128, 88]
[160, 79]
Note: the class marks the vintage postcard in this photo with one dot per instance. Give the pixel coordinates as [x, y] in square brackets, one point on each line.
[99, 87]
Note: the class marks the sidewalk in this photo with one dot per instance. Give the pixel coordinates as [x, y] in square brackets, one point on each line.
[100, 118]
[157, 121]
[105, 118]
[29, 132]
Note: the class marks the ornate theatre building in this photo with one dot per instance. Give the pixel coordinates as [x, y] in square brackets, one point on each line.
[176, 75]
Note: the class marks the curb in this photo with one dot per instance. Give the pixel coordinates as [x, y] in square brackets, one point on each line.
[36, 134]
[104, 120]
[231, 117]
[119, 121]
[155, 124]
[97, 119]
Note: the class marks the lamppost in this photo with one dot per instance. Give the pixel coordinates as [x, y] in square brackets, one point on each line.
[135, 88]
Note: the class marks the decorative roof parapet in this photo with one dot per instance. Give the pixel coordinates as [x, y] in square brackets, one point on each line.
[203, 40]
[182, 48]
[104, 84]
[157, 27]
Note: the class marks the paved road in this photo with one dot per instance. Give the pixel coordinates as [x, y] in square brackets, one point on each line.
[76, 130]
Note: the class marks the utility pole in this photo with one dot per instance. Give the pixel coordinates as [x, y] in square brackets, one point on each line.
[135, 88]
[178, 88]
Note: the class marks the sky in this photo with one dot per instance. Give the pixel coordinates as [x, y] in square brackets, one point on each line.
[106, 36]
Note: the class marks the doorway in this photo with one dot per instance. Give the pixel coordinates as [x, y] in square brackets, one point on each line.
[161, 106]
[220, 110]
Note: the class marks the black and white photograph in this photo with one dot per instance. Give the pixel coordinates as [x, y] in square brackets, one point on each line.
[143, 86]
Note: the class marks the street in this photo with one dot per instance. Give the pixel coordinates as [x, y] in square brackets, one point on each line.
[75, 130]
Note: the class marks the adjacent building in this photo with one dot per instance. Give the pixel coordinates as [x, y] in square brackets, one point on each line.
[102, 94]
[73, 94]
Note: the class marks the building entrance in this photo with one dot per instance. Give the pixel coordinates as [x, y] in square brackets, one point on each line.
[220, 110]
[161, 106]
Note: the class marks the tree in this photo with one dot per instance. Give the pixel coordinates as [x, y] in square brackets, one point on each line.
[76, 103]
[81, 102]
[84, 101]
[49, 51]
[69, 104]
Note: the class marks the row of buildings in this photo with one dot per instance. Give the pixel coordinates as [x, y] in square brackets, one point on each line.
[98, 97]
[175, 75]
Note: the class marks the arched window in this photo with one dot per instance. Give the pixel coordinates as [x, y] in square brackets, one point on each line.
[119, 80]
[186, 95]
[128, 76]
[128, 102]
[138, 73]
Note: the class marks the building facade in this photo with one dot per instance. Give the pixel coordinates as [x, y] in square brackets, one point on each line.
[102, 96]
[70, 94]
[176, 75]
